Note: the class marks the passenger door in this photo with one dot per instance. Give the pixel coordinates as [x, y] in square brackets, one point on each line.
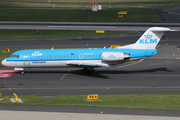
[26, 59]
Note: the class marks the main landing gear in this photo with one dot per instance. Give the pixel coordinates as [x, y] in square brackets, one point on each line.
[87, 71]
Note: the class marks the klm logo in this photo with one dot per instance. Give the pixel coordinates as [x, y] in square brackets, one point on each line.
[148, 40]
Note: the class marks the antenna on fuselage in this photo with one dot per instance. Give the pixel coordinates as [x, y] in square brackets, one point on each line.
[52, 48]
[104, 47]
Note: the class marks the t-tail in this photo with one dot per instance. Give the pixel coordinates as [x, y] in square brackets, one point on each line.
[149, 39]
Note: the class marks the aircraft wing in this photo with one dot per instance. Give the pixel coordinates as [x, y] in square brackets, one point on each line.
[86, 64]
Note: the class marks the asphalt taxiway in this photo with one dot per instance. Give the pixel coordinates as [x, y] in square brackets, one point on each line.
[151, 76]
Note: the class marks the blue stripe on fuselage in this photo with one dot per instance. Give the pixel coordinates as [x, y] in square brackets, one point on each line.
[76, 54]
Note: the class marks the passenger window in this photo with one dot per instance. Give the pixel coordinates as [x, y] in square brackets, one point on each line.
[99, 55]
[90, 55]
[47, 56]
[17, 56]
[38, 56]
[41, 56]
[64, 56]
[44, 56]
[96, 55]
[56, 56]
[67, 55]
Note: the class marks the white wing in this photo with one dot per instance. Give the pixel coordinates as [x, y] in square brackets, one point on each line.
[86, 64]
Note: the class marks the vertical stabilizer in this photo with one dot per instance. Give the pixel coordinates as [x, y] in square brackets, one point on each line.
[149, 39]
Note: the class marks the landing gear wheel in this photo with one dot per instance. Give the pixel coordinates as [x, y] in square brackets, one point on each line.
[89, 72]
[22, 73]
[85, 70]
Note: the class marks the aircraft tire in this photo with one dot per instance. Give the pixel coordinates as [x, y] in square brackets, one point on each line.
[89, 73]
[85, 70]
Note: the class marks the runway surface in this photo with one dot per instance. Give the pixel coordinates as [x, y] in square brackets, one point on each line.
[85, 26]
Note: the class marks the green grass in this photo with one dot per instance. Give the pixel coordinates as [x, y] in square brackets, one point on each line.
[15, 34]
[7, 54]
[103, 1]
[76, 14]
[163, 102]
[45, 3]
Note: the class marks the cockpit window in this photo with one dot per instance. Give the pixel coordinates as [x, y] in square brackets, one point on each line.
[15, 56]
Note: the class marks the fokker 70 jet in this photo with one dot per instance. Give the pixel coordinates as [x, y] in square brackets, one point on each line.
[87, 58]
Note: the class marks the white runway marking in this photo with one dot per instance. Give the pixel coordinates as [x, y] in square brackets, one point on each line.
[83, 26]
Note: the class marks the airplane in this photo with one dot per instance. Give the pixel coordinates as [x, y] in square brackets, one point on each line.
[88, 58]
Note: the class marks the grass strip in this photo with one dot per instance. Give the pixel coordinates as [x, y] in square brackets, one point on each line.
[104, 1]
[7, 54]
[85, 3]
[108, 14]
[150, 101]
[15, 34]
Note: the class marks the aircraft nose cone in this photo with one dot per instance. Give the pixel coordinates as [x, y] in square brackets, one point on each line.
[4, 62]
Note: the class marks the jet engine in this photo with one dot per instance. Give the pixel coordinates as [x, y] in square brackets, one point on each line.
[114, 56]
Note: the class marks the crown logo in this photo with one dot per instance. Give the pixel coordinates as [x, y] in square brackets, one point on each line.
[112, 56]
[148, 36]
[36, 53]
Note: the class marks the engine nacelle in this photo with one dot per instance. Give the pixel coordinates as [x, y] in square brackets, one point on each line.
[114, 56]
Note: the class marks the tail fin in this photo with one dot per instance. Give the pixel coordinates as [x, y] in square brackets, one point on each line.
[149, 39]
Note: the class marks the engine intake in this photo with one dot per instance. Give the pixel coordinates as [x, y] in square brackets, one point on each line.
[114, 56]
